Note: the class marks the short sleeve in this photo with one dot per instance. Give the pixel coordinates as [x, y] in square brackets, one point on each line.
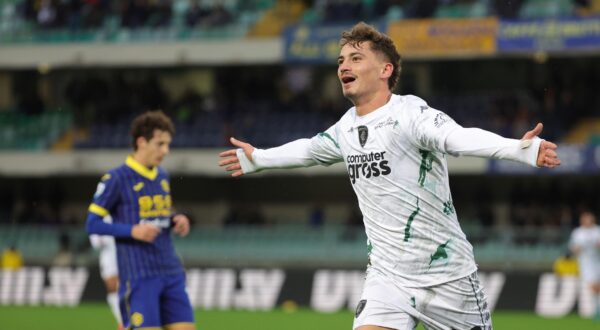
[106, 195]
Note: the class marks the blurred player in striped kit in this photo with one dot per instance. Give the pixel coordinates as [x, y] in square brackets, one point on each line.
[137, 195]
[421, 266]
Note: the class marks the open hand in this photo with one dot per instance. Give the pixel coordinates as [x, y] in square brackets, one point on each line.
[547, 156]
[231, 160]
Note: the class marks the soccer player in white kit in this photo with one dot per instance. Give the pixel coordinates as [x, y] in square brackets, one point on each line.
[421, 266]
[107, 248]
[585, 244]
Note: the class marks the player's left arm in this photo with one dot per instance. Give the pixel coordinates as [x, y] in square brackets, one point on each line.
[530, 149]
[432, 129]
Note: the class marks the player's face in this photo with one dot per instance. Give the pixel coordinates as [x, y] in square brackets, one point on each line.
[587, 219]
[361, 71]
[153, 151]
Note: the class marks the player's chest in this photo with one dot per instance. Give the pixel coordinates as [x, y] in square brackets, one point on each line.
[150, 197]
[369, 136]
[589, 238]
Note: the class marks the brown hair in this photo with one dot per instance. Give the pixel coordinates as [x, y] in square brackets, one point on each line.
[145, 124]
[380, 42]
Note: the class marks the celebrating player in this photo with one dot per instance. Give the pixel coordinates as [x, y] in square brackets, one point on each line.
[421, 266]
[137, 195]
[585, 244]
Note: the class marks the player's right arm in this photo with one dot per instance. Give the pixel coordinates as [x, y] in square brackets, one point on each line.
[322, 149]
[105, 199]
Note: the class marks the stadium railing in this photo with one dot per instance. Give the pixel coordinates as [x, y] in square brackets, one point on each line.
[291, 246]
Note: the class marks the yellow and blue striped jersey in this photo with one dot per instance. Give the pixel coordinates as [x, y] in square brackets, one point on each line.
[132, 194]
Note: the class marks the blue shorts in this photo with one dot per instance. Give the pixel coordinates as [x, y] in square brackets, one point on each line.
[155, 301]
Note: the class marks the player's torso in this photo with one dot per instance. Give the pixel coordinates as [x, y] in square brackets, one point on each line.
[405, 199]
[145, 200]
[588, 239]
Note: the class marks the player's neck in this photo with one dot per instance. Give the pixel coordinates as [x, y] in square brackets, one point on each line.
[373, 102]
[138, 157]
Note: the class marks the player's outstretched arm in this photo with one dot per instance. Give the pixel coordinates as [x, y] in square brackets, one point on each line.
[476, 142]
[547, 156]
[247, 159]
[231, 160]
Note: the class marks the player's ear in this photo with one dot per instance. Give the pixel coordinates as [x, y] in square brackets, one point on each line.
[141, 142]
[386, 71]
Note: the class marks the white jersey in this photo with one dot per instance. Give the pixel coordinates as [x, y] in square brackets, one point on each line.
[588, 240]
[400, 176]
[396, 161]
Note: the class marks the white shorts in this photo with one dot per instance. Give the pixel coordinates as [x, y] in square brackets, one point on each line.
[108, 261]
[456, 305]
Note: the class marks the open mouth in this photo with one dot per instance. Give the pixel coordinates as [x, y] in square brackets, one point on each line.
[347, 79]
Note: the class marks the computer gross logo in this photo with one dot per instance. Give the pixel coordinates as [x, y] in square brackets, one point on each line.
[367, 165]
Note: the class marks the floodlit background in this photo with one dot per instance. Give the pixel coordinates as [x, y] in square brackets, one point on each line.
[286, 249]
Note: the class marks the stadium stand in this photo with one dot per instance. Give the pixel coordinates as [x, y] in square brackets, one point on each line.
[88, 109]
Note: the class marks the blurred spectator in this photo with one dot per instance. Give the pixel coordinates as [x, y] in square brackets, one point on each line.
[73, 10]
[12, 258]
[199, 14]
[219, 16]
[161, 13]
[317, 217]
[134, 13]
[342, 11]
[422, 8]
[195, 14]
[46, 15]
[565, 265]
[507, 8]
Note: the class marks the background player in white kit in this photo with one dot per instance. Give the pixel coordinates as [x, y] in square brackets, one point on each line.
[107, 249]
[421, 266]
[585, 244]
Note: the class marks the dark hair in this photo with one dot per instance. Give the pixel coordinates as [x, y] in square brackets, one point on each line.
[145, 124]
[380, 42]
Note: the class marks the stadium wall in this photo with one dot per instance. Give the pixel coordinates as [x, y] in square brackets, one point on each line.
[262, 289]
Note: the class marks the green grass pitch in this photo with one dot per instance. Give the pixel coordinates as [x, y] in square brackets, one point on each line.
[98, 317]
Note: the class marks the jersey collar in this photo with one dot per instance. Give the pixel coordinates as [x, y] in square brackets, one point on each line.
[141, 169]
